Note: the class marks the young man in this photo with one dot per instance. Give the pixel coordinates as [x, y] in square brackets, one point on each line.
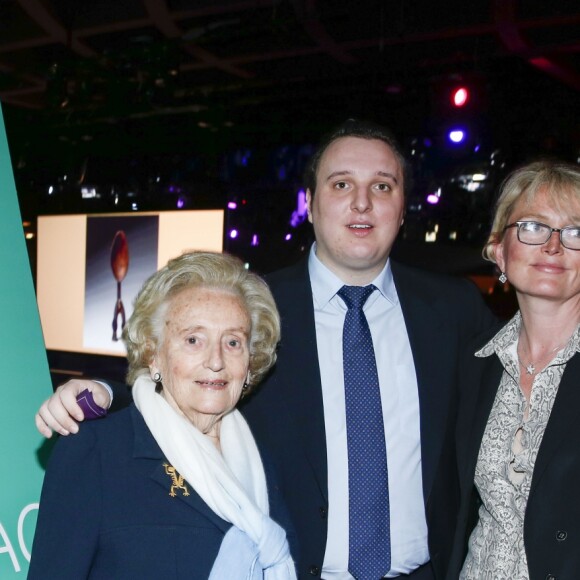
[301, 414]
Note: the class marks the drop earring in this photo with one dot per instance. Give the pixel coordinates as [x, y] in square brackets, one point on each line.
[502, 278]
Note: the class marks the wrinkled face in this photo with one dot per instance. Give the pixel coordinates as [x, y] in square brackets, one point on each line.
[358, 207]
[548, 271]
[204, 355]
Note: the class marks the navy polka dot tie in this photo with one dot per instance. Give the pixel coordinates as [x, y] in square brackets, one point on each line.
[369, 556]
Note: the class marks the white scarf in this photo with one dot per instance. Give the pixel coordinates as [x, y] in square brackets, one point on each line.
[232, 484]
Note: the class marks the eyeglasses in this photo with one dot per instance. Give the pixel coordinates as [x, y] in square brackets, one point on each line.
[536, 234]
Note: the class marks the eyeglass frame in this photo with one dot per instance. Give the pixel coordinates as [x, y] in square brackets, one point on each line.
[519, 224]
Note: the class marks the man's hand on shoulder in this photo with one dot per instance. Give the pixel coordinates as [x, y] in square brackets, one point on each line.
[61, 412]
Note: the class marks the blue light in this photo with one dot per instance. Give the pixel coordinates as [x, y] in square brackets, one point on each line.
[233, 234]
[457, 135]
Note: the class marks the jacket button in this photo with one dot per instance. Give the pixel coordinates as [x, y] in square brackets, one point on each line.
[323, 512]
[314, 571]
[561, 536]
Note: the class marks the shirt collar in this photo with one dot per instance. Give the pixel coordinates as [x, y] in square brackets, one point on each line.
[325, 283]
[506, 340]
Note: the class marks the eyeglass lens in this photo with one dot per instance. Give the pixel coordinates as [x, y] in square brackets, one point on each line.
[536, 233]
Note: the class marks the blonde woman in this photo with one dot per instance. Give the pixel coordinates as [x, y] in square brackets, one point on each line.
[518, 441]
[174, 486]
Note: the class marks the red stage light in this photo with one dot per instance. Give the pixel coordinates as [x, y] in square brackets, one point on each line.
[460, 96]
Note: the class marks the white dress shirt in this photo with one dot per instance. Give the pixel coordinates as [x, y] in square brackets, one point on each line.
[400, 403]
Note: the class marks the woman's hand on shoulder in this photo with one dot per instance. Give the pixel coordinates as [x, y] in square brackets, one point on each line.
[61, 412]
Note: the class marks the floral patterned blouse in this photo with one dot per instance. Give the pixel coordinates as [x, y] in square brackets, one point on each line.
[507, 456]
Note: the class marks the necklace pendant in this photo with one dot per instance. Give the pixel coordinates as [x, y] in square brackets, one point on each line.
[530, 369]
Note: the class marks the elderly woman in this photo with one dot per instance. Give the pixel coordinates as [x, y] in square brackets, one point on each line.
[518, 441]
[174, 487]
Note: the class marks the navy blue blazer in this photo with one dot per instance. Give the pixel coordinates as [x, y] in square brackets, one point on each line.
[286, 413]
[552, 518]
[287, 417]
[106, 510]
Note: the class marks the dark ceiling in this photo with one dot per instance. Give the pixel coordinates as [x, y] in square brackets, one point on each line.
[225, 99]
[145, 74]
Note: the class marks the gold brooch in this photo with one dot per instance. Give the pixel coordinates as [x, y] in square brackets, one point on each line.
[177, 481]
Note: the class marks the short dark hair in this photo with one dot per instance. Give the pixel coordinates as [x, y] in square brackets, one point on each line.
[353, 128]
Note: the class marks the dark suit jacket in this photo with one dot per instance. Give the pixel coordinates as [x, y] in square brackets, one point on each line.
[552, 519]
[286, 414]
[106, 512]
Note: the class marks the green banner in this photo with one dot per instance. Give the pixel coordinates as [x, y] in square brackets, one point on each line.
[24, 384]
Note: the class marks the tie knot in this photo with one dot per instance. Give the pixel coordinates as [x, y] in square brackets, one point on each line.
[356, 296]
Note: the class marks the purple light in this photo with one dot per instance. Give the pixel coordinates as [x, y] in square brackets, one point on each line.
[288, 237]
[233, 234]
[434, 197]
[232, 205]
[180, 202]
[255, 240]
[300, 214]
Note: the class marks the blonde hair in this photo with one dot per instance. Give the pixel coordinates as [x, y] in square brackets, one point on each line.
[143, 333]
[558, 180]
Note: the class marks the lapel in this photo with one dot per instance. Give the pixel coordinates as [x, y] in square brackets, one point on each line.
[432, 344]
[483, 376]
[476, 407]
[146, 448]
[297, 374]
[563, 418]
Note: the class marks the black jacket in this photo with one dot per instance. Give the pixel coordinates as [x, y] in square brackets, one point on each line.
[552, 518]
